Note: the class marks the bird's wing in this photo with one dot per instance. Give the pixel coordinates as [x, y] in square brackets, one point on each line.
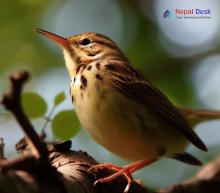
[132, 84]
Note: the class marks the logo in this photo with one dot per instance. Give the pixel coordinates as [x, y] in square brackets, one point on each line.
[193, 13]
[167, 14]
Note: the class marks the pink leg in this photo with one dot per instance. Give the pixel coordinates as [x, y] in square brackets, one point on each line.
[126, 171]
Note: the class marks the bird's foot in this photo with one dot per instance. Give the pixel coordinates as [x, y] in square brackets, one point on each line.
[126, 171]
[119, 171]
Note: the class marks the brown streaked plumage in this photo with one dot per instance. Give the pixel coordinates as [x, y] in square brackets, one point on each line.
[121, 109]
[89, 67]
[98, 77]
[83, 82]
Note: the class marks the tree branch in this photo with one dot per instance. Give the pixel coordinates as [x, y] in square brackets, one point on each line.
[12, 102]
[207, 180]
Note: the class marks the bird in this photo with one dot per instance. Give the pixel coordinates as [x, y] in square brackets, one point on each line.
[122, 110]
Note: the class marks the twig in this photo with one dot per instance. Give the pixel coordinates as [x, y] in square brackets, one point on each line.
[2, 149]
[12, 102]
[47, 120]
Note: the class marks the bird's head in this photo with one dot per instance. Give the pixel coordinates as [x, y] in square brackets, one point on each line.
[84, 48]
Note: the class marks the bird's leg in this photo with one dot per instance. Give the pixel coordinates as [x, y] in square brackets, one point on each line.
[126, 171]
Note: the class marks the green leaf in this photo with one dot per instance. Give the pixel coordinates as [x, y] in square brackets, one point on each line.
[34, 105]
[59, 98]
[65, 124]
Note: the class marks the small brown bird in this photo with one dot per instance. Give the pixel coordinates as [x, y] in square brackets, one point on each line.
[121, 109]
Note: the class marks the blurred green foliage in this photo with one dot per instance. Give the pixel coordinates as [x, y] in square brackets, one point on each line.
[68, 119]
[21, 47]
[59, 98]
[34, 105]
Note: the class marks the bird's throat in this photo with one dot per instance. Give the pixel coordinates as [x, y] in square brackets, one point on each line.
[71, 64]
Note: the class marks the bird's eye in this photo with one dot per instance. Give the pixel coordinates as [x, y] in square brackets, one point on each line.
[85, 42]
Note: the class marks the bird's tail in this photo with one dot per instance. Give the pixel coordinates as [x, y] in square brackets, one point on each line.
[195, 117]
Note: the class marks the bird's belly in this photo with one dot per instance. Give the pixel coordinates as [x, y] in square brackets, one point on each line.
[125, 127]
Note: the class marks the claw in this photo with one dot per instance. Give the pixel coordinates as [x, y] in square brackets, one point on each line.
[113, 176]
[119, 171]
[130, 181]
[125, 171]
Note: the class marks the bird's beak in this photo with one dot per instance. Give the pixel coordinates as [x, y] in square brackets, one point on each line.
[60, 40]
